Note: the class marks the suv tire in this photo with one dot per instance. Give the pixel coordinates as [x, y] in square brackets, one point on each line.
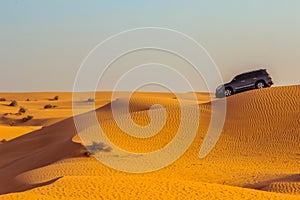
[228, 92]
[260, 84]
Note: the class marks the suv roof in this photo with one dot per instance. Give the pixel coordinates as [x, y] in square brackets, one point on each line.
[259, 70]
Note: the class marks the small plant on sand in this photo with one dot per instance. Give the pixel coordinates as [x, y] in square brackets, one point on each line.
[22, 110]
[29, 117]
[13, 103]
[87, 154]
[48, 106]
[91, 100]
[2, 99]
[27, 99]
[12, 123]
[55, 98]
[98, 146]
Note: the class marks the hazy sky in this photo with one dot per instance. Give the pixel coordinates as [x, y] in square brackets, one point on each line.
[44, 42]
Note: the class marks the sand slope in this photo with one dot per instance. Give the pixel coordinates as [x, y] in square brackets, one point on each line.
[70, 187]
[258, 149]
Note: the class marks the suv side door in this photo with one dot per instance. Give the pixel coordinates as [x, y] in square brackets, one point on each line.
[253, 77]
[242, 82]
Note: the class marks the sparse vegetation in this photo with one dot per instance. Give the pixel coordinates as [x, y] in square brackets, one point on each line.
[27, 99]
[2, 99]
[48, 106]
[98, 146]
[22, 110]
[13, 103]
[29, 117]
[87, 154]
[91, 100]
[12, 123]
[55, 98]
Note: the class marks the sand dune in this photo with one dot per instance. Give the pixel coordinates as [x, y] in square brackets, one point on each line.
[286, 184]
[97, 187]
[258, 150]
[284, 187]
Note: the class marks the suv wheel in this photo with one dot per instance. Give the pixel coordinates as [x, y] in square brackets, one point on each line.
[228, 92]
[260, 84]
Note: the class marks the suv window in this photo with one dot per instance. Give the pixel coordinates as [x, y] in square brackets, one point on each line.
[253, 75]
[260, 73]
[240, 77]
[263, 72]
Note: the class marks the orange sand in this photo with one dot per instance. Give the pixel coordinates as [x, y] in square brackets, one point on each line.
[256, 157]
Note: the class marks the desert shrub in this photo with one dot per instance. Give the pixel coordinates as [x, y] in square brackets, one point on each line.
[55, 98]
[12, 123]
[87, 154]
[13, 103]
[2, 99]
[49, 106]
[27, 99]
[98, 146]
[91, 100]
[22, 110]
[29, 117]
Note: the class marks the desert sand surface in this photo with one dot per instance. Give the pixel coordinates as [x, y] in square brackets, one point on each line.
[256, 157]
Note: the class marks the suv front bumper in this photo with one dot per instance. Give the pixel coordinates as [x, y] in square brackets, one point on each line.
[220, 92]
[270, 83]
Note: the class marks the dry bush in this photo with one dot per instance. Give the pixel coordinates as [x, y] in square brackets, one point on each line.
[97, 147]
[48, 106]
[29, 117]
[87, 154]
[56, 98]
[22, 110]
[91, 100]
[12, 123]
[2, 99]
[13, 103]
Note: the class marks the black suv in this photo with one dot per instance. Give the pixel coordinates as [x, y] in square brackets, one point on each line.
[250, 80]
